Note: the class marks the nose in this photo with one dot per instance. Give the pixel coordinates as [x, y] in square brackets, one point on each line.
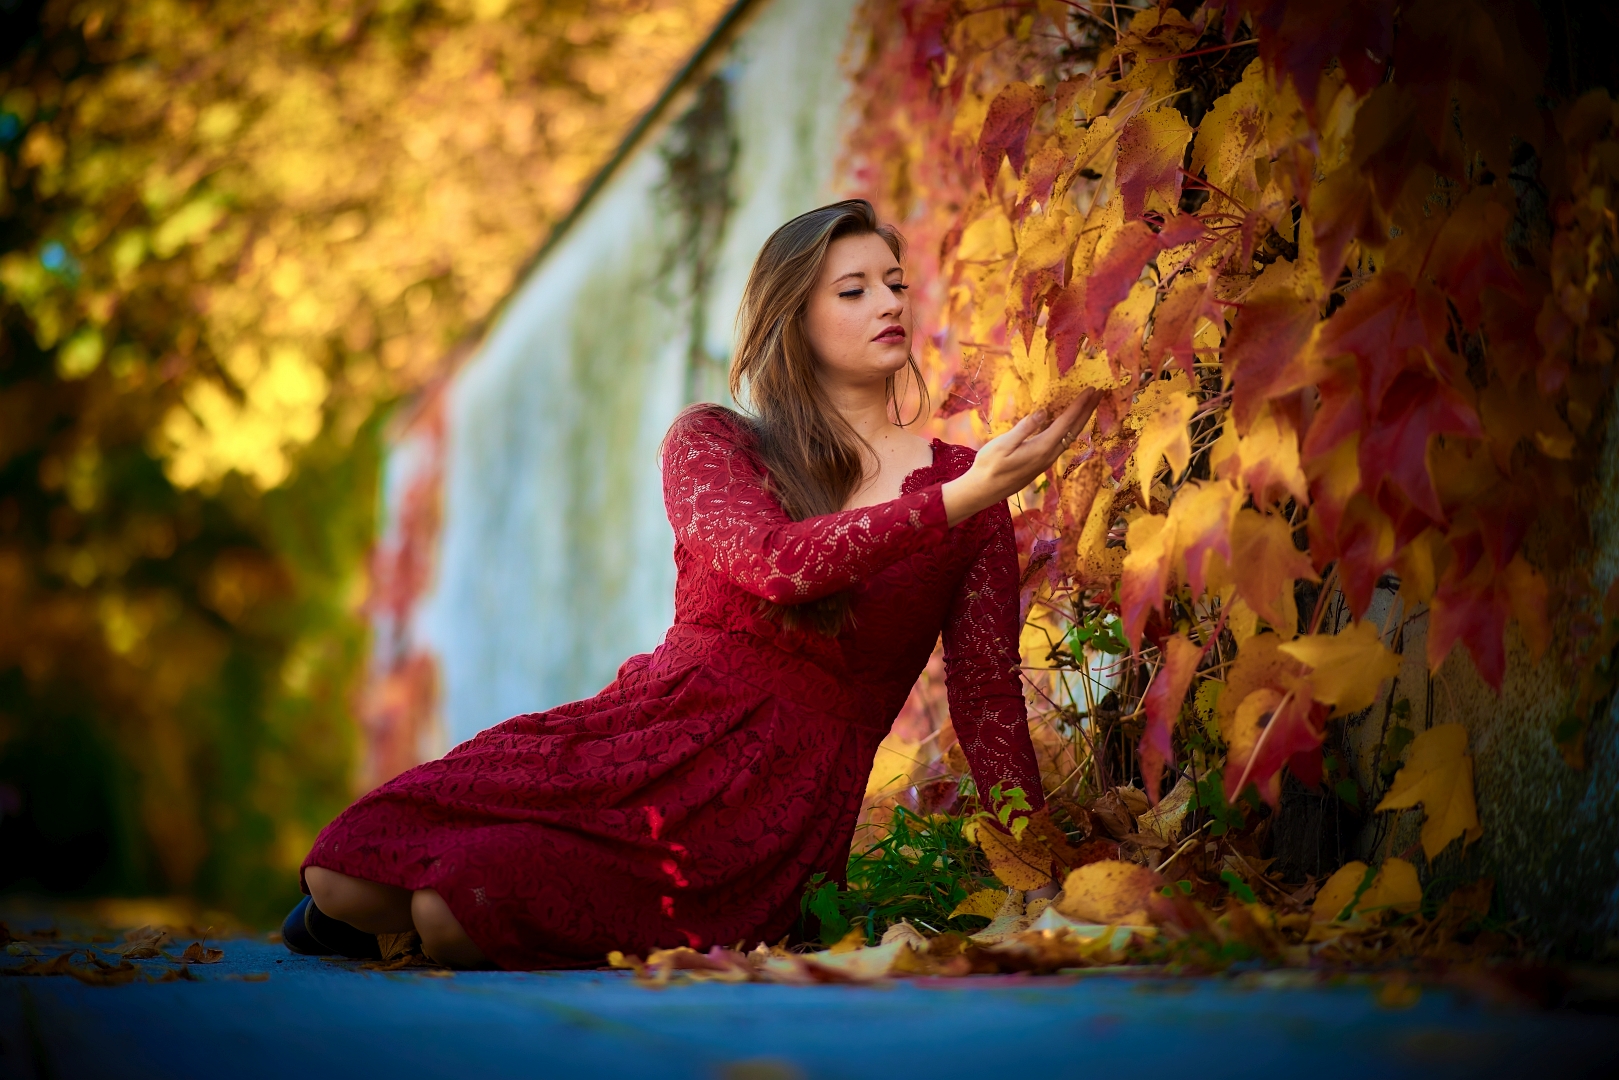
[896, 302]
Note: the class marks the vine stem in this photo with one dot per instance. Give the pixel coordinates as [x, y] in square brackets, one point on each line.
[1201, 52]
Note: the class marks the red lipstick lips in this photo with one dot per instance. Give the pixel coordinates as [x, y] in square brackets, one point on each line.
[893, 335]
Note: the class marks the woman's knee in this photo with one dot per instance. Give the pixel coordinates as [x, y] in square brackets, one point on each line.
[443, 938]
[367, 905]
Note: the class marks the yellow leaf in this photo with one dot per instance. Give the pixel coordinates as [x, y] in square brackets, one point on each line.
[1395, 889]
[1242, 621]
[1110, 892]
[1164, 437]
[1200, 523]
[1338, 891]
[1232, 133]
[1347, 668]
[1018, 865]
[1266, 459]
[985, 902]
[1438, 773]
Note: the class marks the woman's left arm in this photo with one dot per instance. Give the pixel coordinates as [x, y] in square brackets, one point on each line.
[982, 679]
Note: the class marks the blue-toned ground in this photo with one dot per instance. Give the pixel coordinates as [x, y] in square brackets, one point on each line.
[315, 1019]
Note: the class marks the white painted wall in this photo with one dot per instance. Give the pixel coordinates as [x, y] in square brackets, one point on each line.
[555, 561]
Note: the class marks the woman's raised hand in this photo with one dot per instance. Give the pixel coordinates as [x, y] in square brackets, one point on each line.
[1009, 463]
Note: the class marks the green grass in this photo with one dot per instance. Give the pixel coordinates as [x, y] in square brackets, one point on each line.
[918, 873]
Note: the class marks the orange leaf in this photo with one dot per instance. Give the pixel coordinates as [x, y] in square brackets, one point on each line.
[1200, 518]
[1264, 565]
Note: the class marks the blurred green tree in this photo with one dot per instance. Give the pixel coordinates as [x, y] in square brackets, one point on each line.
[233, 234]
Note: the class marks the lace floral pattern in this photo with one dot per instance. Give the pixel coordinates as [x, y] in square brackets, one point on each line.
[688, 802]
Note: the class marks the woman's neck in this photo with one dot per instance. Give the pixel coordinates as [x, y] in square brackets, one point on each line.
[865, 409]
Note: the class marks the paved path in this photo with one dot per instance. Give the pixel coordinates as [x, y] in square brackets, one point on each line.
[314, 1019]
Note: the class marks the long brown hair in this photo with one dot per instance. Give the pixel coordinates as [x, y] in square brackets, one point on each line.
[815, 459]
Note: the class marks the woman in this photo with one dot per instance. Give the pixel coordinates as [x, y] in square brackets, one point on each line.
[821, 549]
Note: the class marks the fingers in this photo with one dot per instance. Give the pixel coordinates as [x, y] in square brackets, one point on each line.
[1061, 433]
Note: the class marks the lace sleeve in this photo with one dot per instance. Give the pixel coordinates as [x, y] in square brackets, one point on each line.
[981, 667]
[722, 512]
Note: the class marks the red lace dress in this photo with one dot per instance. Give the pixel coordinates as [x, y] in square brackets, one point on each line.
[689, 801]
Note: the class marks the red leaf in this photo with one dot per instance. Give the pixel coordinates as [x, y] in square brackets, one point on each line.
[1164, 698]
[1116, 268]
[1176, 321]
[1395, 448]
[1292, 731]
[1300, 39]
[1006, 129]
[1365, 549]
[1474, 611]
[1340, 414]
[1065, 323]
[1380, 324]
[1389, 143]
[970, 389]
[1044, 168]
[1180, 229]
[1470, 256]
[1266, 353]
[1151, 149]
[1341, 212]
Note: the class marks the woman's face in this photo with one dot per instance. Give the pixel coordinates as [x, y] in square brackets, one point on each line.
[858, 319]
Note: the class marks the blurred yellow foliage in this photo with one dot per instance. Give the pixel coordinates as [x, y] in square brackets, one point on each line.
[230, 231]
[341, 191]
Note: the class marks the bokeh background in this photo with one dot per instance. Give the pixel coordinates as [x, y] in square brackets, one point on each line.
[234, 237]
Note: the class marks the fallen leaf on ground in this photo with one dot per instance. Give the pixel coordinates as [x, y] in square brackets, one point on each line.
[1108, 892]
[198, 953]
[394, 946]
[1438, 773]
[1166, 818]
[985, 902]
[145, 943]
[1018, 863]
[1338, 891]
[1394, 890]
[904, 931]
[1000, 928]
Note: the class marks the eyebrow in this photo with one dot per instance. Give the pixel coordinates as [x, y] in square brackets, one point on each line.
[862, 273]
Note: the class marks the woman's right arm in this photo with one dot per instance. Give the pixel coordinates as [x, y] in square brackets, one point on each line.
[722, 512]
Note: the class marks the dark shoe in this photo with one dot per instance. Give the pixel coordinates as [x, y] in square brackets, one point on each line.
[296, 936]
[311, 931]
